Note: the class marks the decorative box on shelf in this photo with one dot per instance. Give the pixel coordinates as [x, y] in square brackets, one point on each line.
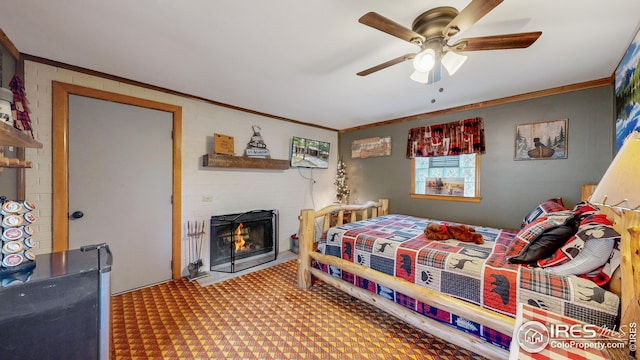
[223, 144]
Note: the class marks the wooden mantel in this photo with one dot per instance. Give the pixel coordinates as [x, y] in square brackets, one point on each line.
[228, 161]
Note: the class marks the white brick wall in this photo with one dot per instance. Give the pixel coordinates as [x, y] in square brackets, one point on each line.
[232, 190]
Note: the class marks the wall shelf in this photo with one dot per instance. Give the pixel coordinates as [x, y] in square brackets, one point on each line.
[228, 161]
[14, 163]
[10, 136]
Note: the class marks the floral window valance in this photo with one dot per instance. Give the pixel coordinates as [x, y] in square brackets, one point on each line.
[454, 138]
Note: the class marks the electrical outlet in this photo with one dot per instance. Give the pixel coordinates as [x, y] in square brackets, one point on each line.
[207, 198]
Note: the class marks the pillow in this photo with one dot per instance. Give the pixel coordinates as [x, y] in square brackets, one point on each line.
[546, 207]
[589, 249]
[546, 235]
[526, 235]
[607, 272]
[532, 231]
[585, 208]
[587, 260]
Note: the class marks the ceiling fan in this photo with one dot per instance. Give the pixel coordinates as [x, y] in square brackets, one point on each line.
[433, 29]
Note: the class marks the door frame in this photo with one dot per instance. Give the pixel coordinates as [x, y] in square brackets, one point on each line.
[60, 149]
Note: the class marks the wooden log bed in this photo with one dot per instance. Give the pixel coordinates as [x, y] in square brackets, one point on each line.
[625, 282]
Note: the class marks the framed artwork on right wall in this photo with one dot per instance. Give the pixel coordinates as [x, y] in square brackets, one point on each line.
[541, 141]
[628, 93]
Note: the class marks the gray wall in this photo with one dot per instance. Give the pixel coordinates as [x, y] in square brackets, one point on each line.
[509, 189]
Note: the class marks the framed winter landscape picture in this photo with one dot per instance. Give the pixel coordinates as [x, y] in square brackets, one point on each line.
[628, 93]
[541, 141]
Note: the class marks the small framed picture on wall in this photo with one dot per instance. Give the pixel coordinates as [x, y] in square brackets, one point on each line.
[541, 141]
[371, 147]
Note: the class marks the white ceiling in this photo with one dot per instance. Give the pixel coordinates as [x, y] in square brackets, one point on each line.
[298, 59]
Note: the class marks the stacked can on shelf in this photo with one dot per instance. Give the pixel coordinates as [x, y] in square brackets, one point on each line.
[17, 229]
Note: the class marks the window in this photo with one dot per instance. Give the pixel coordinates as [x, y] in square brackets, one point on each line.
[453, 178]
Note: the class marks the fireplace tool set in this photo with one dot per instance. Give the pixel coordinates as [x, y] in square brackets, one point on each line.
[195, 234]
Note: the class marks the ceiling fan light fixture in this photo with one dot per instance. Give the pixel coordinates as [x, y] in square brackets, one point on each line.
[421, 77]
[424, 61]
[453, 61]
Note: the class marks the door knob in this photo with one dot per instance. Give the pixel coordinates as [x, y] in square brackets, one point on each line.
[77, 215]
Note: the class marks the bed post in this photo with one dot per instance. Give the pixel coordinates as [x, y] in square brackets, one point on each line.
[626, 279]
[633, 310]
[629, 250]
[305, 247]
[384, 207]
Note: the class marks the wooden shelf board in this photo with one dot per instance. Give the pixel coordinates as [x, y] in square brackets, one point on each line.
[9, 136]
[227, 161]
[14, 163]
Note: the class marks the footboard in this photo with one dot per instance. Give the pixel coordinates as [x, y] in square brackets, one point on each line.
[308, 218]
[501, 323]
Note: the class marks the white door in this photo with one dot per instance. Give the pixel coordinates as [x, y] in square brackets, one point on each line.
[120, 183]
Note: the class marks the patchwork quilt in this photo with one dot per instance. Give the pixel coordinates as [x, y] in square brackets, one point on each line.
[480, 274]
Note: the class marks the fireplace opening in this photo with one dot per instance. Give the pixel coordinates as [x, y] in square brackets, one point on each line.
[243, 240]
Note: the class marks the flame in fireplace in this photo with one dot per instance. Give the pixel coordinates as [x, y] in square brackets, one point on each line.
[239, 240]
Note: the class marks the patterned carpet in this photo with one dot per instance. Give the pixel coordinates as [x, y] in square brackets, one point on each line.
[262, 315]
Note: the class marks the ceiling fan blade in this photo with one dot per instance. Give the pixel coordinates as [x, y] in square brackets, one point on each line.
[497, 42]
[469, 16]
[387, 64]
[391, 27]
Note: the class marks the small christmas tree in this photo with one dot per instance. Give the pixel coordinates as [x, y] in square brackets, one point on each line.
[342, 191]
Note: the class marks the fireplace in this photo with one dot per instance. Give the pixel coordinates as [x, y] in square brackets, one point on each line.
[240, 241]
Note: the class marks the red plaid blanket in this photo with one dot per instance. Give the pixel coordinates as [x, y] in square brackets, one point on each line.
[480, 274]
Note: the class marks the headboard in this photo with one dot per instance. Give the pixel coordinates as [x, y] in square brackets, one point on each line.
[615, 285]
[626, 279]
